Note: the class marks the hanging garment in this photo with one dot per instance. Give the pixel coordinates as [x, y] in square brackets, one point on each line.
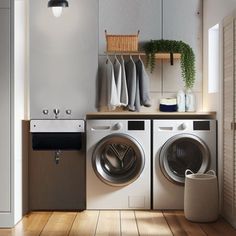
[102, 87]
[124, 98]
[112, 98]
[130, 69]
[117, 74]
[137, 95]
[143, 84]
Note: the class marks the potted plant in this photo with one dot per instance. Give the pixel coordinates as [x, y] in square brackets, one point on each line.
[173, 46]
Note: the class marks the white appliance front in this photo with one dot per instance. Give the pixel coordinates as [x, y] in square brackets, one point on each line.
[118, 164]
[179, 145]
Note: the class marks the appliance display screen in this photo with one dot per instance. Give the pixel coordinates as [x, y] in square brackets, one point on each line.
[136, 125]
[201, 125]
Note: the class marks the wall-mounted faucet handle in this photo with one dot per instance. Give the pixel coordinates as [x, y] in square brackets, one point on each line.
[68, 111]
[45, 111]
[56, 112]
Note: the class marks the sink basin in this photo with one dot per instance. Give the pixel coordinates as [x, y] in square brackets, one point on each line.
[57, 134]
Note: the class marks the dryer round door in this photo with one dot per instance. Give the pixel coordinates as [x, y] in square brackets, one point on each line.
[118, 159]
[181, 152]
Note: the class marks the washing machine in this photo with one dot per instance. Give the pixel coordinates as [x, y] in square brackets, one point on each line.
[179, 145]
[118, 164]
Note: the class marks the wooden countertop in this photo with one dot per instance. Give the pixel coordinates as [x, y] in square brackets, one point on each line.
[151, 115]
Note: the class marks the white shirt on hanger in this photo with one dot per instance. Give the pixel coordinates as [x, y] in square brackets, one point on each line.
[117, 74]
[124, 98]
[113, 100]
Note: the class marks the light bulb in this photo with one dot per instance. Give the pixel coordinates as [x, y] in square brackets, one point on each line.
[57, 11]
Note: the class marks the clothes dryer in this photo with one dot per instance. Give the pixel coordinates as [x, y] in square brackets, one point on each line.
[179, 145]
[118, 164]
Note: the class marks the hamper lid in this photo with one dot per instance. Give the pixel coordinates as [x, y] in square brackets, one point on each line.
[209, 175]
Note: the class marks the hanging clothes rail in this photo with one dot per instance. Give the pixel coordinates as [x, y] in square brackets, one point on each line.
[159, 56]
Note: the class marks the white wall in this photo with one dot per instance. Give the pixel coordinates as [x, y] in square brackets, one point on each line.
[5, 120]
[157, 19]
[63, 58]
[63, 51]
[176, 27]
[214, 13]
[19, 107]
[17, 156]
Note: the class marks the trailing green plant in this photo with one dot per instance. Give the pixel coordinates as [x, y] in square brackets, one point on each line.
[187, 60]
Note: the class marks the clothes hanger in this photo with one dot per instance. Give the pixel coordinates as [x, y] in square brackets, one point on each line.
[139, 57]
[130, 57]
[121, 56]
[116, 59]
[107, 58]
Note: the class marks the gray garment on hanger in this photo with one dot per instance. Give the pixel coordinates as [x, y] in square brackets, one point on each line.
[145, 99]
[108, 92]
[113, 101]
[124, 98]
[117, 74]
[102, 83]
[130, 69]
[137, 95]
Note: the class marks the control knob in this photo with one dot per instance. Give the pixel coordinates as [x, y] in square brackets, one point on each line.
[117, 126]
[183, 126]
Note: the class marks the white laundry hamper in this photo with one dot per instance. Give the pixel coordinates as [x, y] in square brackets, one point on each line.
[201, 199]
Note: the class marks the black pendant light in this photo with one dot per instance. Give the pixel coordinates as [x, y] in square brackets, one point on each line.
[57, 6]
[58, 3]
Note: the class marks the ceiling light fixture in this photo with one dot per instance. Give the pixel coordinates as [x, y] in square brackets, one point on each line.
[57, 6]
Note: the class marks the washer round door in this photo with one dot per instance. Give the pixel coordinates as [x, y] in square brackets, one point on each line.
[118, 159]
[181, 152]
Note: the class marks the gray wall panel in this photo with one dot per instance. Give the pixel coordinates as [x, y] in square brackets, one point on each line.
[63, 58]
[5, 4]
[182, 20]
[5, 110]
[63, 67]
[127, 17]
[167, 19]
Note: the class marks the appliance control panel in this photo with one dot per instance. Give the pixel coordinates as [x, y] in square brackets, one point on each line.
[201, 125]
[136, 125]
[117, 126]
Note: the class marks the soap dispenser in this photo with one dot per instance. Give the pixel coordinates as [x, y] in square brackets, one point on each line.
[181, 101]
[190, 101]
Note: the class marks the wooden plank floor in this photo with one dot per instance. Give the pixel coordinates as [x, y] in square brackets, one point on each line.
[115, 223]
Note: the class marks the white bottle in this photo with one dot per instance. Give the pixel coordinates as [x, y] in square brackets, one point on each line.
[181, 101]
[190, 101]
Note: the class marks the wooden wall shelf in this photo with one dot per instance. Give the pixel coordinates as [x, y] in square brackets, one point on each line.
[151, 115]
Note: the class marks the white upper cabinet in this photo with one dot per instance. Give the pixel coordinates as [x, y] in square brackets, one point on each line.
[5, 3]
[5, 110]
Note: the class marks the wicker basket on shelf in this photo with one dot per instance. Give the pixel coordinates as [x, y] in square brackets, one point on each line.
[122, 43]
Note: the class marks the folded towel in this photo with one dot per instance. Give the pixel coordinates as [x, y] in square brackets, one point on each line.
[168, 108]
[168, 101]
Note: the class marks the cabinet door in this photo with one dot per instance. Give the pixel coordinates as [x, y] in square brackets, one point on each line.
[4, 110]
